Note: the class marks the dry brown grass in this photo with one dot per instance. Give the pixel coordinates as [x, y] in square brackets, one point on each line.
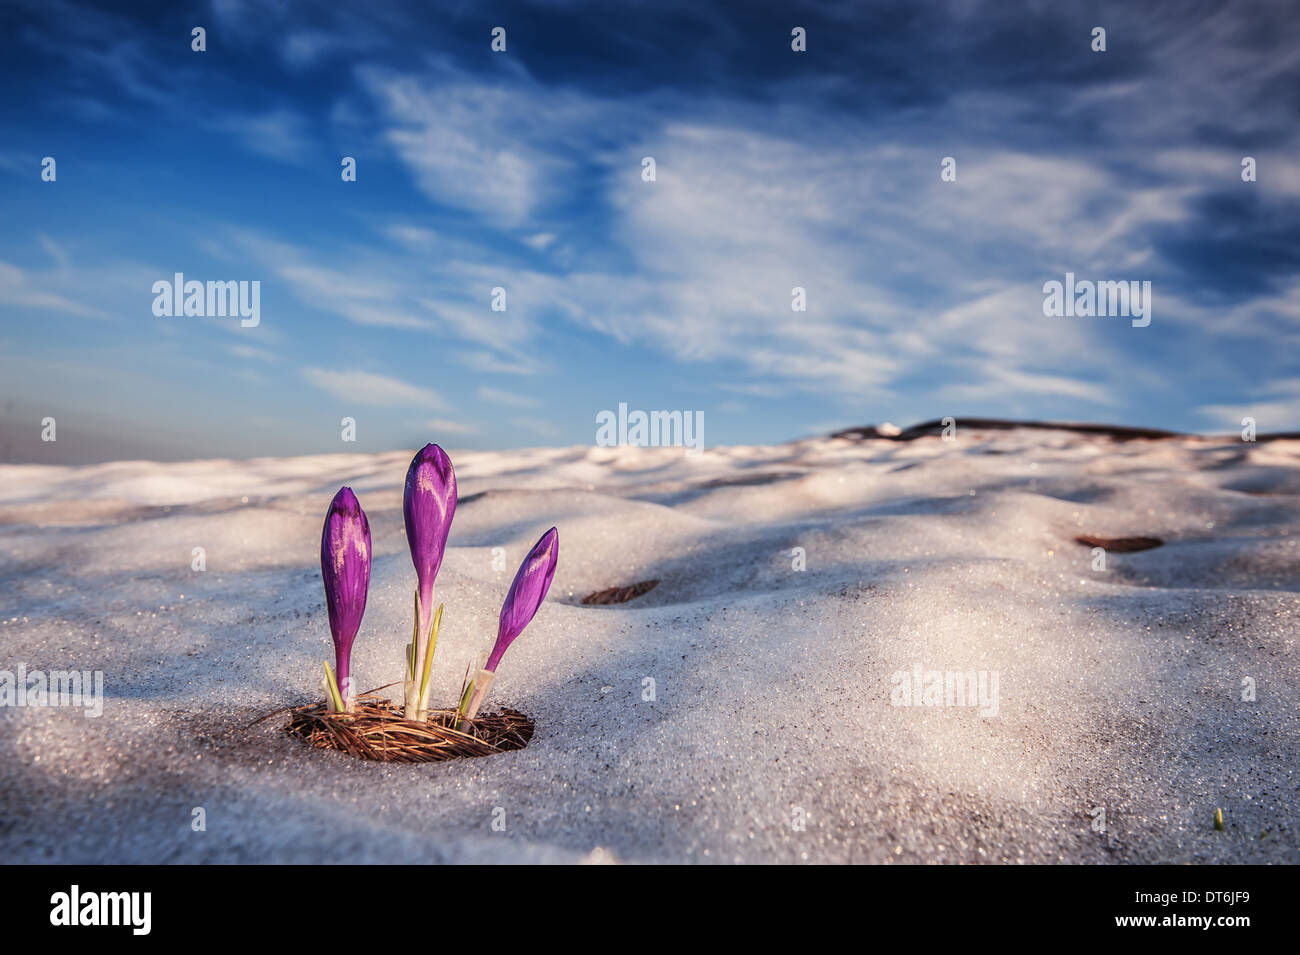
[376, 729]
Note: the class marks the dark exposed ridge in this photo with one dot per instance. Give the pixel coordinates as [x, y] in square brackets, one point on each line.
[1120, 545]
[1118, 432]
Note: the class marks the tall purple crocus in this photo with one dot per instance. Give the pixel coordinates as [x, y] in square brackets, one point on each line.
[526, 593]
[345, 569]
[428, 506]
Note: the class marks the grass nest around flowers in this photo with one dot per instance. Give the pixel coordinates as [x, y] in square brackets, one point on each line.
[376, 729]
[369, 727]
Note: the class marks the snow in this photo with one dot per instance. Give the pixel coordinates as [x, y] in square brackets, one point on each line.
[1118, 690]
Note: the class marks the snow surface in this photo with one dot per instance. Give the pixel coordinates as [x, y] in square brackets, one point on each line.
[1118, 690]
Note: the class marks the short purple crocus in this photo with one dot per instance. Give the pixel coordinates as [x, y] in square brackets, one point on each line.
[526, 593]
[345, 569]
[428, 505]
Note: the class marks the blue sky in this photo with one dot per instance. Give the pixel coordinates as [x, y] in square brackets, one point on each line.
[522, 170]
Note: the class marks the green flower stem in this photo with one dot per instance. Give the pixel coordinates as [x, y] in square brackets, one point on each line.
[409, 697]
[423, 711]
[332, 687]
[464, 702]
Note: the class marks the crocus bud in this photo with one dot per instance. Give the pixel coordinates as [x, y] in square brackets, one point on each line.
[526, 593]
[428, 505]
[345, 569]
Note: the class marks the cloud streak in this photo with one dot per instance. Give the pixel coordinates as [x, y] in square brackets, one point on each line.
[372, 390]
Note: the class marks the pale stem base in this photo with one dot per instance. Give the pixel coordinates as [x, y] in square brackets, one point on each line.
[482, 683]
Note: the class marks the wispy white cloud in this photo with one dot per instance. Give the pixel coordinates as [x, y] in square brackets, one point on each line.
[998, 381]
[449, 426]
[502, 397]
[17, 288]
[307, 47]
[541, 241]
[414, 237]
[496, 150]
[54, 251]
[494, 364]
[280, 134]
[540, 427]
[250, 352]
[388, 287]
[357, 284]
[1275, 407]
[366, 388]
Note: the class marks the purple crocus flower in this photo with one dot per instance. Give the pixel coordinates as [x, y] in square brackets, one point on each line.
[526, 593]
[428, 505]
[345, 569]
